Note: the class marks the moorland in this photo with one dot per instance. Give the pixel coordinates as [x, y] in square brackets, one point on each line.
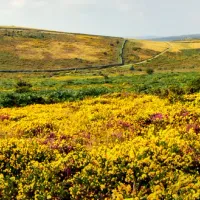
[98, 117]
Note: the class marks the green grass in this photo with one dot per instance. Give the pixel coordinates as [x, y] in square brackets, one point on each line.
[71, 87]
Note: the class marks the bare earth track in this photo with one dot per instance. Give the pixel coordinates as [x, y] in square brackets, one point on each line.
[156, 56]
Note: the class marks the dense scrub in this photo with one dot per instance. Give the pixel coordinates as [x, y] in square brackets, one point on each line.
[53, 89]
[113, 147]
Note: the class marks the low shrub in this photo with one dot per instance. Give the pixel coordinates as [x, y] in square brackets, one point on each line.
[22, 86]
[131, 68]
[149, 71]
[194, 86]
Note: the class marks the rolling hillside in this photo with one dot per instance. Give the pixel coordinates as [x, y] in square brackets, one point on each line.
[182, 56]
[32, 49]
[177, 38]
[140, 50]
[41, 50]
[25, 49]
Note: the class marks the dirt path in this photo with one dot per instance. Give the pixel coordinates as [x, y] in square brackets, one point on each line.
[154, 57]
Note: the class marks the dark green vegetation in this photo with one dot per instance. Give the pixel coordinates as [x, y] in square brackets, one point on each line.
[49, 88]
[149, 71]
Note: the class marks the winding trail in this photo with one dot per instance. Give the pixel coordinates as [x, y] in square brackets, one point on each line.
[121, 57]
[156, 56]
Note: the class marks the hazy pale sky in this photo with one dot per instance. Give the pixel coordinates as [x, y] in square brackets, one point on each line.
[105, 17]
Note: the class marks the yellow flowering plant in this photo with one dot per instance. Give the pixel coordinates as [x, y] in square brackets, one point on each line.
[111, 147]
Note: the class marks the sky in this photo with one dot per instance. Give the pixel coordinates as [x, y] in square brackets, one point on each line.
[126, 18]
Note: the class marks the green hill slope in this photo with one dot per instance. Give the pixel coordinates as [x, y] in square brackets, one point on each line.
[31, 49]
[26, 49]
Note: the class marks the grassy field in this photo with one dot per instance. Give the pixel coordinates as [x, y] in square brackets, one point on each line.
[139, 50]
[184, 60]
[178, 46]
[31, 50]
[182, 56]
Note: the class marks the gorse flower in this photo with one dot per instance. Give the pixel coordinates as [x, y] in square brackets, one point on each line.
[112, 147]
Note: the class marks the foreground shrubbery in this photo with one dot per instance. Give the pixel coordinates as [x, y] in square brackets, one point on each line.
[163, 166]
[27, 98]
[114, 147]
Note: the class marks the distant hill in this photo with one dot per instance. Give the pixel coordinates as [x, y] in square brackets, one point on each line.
[173, 38]
[142, 37]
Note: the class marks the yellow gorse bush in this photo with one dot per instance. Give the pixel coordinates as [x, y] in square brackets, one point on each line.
[112, 147]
